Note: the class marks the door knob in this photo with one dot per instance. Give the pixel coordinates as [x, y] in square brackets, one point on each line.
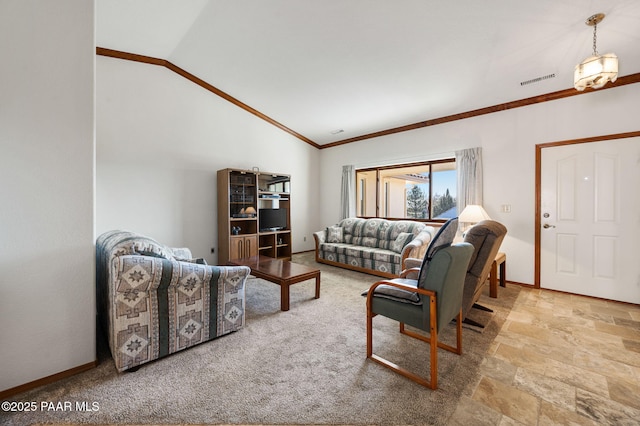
[546, 226]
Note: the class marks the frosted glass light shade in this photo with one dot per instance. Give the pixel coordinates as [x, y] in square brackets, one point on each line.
[596, 71]
[473, 213]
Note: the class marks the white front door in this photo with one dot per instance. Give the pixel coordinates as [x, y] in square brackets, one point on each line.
[590, 207]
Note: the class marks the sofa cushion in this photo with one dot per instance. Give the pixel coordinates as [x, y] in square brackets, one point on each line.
[335, 234]
[399, 226]
[360, 252]
[371, 228]
[339, 248]
[360, 256]
[351, 227]
[401, 240]
[370, 242]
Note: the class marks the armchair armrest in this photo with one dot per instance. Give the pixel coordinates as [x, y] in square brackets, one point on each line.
[423, 291]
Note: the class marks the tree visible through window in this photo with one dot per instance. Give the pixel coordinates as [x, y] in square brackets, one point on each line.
[417, 204]
[420, 191]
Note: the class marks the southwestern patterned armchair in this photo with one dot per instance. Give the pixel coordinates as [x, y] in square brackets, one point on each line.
[154, 300]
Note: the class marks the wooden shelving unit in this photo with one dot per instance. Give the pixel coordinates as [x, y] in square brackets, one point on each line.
[242, 195]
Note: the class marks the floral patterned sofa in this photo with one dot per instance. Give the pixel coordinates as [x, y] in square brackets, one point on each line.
[154, 300]
[374, 246]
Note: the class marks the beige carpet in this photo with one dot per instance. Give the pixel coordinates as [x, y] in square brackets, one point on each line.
[304, 366]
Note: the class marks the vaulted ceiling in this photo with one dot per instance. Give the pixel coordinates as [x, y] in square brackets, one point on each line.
[337, 69]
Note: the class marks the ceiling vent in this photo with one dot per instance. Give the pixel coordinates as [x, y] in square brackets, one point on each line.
[537, 79]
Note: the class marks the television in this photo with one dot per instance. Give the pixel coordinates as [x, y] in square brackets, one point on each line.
[272, 219]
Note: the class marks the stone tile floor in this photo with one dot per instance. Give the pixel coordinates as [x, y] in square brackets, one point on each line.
[559, 359]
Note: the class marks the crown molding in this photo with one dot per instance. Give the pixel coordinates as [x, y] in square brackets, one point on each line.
[621, 81]
[162, 62]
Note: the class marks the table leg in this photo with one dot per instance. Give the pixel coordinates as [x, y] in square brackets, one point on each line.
[493, 280]
[503, 274]
[318, 286]
[284, 296]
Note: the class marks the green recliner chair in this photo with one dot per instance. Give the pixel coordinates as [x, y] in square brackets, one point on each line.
[428, 303]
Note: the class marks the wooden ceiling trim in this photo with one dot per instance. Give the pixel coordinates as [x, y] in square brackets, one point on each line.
[129, 56]
[183, 73]
[621, 81]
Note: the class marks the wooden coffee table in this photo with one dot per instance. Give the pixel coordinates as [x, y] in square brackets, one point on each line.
[281, 272]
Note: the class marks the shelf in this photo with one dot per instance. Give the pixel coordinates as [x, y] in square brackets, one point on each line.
[287, 231]
[282, 194]
[239, 190]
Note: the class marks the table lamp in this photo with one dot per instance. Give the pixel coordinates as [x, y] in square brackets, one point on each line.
[471, 215]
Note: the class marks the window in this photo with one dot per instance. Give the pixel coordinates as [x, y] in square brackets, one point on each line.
[418, 191]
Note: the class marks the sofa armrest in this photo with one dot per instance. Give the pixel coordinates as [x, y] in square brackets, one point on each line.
[410, 273]
[412, 262]
[418, 246]
[181, 253]
[411, 268]
[234, 276]
[180, 269]
[320, 237]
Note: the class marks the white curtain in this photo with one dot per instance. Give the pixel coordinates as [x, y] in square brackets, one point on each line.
[469, 168]
[348, 193]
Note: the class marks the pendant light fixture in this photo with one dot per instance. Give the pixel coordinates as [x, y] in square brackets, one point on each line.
[596, 70]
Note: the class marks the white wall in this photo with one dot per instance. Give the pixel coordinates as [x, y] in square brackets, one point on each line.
[160, 141]
[508, 142]
[47, 304]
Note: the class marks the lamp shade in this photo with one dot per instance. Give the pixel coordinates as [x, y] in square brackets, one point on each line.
[473, 213]
[596, 71]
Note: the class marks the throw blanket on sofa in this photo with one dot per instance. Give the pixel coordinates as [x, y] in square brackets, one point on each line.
[375, 246]
[154, 300]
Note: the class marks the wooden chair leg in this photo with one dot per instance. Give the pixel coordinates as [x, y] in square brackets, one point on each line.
[369, 334]
[403, 372]
[432, 340]
[433, 344]
[459, 333]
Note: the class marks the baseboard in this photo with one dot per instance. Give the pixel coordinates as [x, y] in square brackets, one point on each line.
[303, 251]
[520, 284]
[46, 380]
